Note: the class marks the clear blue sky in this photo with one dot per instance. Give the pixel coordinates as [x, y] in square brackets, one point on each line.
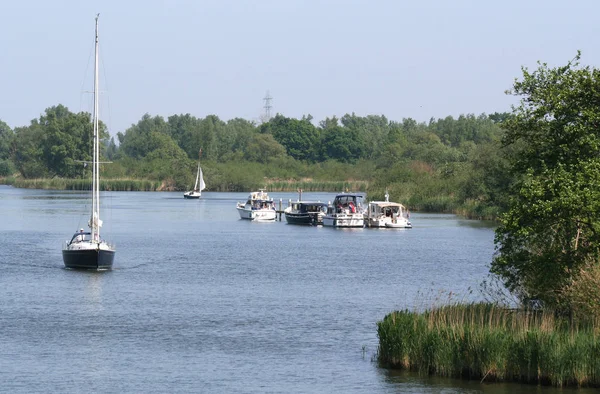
[418, 59]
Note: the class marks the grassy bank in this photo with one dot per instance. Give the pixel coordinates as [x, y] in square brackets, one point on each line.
[484, 342]
[150, 185]
[86, 184]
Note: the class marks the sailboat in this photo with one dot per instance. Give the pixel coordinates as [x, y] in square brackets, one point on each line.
[87, 250]
[198, 186]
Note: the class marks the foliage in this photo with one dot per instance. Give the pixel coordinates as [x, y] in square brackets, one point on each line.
[6, 141]
[6, 168]
[263, 148]
[339, 143]
[583, 291]
[552, 226]
[299, 137]
[447, 165]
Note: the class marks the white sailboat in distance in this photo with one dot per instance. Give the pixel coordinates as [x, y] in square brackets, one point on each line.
[199, 185]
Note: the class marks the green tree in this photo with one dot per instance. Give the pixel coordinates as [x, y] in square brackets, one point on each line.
[340, 143]
[299, 137]
[51, 145]
[28, 157]
[6, 140]
[373, 131]
[68, 137]
[136, 142]
[263, 148]
[552, 227]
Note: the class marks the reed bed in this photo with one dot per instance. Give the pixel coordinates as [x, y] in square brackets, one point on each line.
[316, 186]
[86, 184]
[489, 343]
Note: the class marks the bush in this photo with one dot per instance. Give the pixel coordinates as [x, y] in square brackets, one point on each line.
[6, 168]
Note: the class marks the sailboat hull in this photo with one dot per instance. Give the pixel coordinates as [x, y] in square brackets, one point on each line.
[92, 259]
[193, 195]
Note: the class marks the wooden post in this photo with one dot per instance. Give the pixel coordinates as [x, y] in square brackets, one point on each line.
[280, 209]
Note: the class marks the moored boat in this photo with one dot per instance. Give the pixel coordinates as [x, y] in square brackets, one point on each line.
[346, 210]
[259, 206]
[387, 214]
[305, 212]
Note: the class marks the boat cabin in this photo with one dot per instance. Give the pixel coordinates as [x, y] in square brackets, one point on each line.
[309, 207]
[348, 203]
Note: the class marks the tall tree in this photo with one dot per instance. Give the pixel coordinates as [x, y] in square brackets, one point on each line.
[552, 227]
[299, 137]
[6, 140]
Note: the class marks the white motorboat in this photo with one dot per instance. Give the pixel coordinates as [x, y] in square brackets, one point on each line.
[387, 214]
[259, 206]
[346, 210]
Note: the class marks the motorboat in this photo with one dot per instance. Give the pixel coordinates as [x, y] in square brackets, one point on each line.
[346, 210]
[305, 212]
[259, 206]
[387, 214]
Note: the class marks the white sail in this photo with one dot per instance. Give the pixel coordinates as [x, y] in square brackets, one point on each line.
[202, 184]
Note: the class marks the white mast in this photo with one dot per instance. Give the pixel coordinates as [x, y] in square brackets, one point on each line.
[95, 219]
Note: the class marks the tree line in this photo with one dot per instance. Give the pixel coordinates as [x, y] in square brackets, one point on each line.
[448, 164]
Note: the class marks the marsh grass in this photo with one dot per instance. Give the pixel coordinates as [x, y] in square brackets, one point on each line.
[316, 186]
[489, 343]
[85, 184]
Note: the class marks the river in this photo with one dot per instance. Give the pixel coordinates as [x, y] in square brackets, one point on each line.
[201, 301]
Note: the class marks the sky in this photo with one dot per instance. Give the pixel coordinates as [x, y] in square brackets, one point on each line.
[402, 59]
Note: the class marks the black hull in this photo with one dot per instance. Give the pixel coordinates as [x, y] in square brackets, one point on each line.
[304, 218]
[191, 197]
[88, 259]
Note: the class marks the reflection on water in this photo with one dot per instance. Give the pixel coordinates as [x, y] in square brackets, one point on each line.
[407, 382]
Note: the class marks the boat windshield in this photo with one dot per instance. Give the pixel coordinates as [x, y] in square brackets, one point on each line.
[313, 207]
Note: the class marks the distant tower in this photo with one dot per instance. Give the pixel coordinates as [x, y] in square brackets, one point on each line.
[267, 106]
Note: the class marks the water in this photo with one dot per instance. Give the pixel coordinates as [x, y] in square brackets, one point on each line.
[200, 301]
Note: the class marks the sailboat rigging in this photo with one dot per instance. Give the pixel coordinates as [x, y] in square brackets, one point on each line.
[88, 250]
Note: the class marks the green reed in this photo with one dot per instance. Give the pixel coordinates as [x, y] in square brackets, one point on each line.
[315, 186]
[486, 342]
[85, 184]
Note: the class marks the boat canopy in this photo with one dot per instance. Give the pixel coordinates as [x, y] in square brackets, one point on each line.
[385, 204]
[307, 206]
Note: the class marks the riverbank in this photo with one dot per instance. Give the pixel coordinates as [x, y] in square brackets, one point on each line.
[488, 343]
[123, 184]
[126, 184]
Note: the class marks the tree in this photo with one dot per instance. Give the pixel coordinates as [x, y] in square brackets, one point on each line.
[299, 137]
[6, 143]
[136, 142]
[6, 140]
[552, 227]
[341, 144]
[263, 148]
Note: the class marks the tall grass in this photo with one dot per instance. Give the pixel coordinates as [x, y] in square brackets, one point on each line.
[310, 185]
[86, 184]
[486, 342]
